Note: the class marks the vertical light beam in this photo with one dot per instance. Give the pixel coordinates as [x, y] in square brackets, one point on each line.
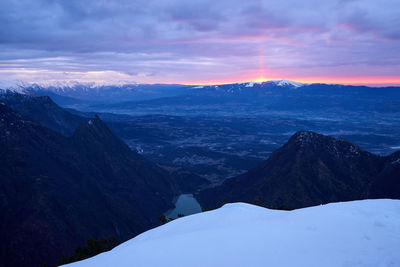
[261, 60]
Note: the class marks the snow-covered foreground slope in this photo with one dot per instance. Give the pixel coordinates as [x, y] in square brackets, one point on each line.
[357, 233]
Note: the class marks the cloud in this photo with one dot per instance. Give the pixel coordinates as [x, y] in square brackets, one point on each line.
[198, 40]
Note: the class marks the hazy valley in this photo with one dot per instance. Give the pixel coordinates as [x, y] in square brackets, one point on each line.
[221, 131]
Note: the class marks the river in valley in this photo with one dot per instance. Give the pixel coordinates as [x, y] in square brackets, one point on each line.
[185, 204]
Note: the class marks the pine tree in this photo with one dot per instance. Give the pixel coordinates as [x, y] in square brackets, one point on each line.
[162, 219]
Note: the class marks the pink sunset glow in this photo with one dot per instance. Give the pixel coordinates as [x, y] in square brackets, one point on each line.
[201, 42]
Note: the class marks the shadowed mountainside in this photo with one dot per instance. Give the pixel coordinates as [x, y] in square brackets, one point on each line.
[44, 111]
[311, 169]
[56, 191]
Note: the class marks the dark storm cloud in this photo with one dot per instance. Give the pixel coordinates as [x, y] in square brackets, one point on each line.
[197, 40]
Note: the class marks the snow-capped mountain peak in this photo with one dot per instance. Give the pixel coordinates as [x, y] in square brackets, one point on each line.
[75, 85]
[287, 83]
[249, 84]
[13, 86]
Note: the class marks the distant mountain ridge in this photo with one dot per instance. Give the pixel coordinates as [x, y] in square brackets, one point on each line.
[258, 99]
[73, 92]
[97, 93]
[254, 98]
[61, 85]
[311, 169]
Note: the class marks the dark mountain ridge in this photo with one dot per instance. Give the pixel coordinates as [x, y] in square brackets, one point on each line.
[311, 169]
[43, 110]
[56, 191]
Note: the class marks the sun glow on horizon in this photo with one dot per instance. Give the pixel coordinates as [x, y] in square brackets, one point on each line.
[368, 81]
[108, 77]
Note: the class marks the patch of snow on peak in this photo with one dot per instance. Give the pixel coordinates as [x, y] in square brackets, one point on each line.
[61, 85]
[13, 86]
[354, 150]
[355, 233]
[287, 83]
[250, 84]
[305, 137]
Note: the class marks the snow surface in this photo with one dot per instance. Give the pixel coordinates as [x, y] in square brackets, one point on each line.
[288, 83]
[357, 233]
[13, 86]
[62, 85]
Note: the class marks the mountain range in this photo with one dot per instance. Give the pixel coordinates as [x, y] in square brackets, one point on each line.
[281, 97]
[311, 169]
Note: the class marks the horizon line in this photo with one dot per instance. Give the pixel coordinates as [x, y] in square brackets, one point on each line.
[371, 82]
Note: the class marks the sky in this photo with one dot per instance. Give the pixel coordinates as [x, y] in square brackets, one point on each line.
[201, 41]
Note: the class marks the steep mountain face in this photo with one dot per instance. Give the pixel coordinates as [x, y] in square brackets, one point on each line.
[310, 169]
[43, 110]
[56, 191]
